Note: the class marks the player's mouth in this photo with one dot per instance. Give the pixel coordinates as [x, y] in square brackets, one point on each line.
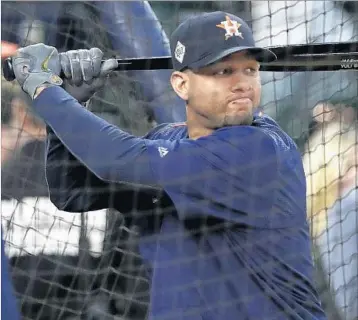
[241, 100]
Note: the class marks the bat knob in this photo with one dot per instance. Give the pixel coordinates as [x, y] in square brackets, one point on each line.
[7, 70]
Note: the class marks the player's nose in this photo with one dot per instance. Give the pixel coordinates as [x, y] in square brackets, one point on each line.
[241, 84]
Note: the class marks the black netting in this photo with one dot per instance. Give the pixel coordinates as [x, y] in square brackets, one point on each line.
[71, 265]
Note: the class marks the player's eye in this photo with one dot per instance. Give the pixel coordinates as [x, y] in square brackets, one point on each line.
[223, 72]
[252, 71]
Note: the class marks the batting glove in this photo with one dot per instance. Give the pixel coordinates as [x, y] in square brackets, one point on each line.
[36, 65]
[84, 72]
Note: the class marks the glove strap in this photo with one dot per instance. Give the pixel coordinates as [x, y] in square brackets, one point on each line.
[35, 80]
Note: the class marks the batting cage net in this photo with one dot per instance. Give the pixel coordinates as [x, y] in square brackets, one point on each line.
[88, 265]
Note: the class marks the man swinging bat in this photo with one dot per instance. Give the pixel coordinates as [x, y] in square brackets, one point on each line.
[237, 245]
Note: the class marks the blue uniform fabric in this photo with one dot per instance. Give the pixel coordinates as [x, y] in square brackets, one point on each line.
[237, 244]
[9, 306]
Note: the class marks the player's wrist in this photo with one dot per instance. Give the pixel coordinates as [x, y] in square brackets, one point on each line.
[41, 88]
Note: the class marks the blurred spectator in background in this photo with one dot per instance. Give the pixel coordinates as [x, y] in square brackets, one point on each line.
[339, 241]
[324, 112]
[330, 162]
[22, 146]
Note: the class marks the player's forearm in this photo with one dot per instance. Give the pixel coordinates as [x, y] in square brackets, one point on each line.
[108, 152]
[74, 188]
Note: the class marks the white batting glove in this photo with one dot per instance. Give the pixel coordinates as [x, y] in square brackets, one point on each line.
[84, 72]
[36, 65]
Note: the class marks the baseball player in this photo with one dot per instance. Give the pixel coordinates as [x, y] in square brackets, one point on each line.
[237, 244]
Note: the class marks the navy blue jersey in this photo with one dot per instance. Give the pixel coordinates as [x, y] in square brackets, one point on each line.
[237, 244]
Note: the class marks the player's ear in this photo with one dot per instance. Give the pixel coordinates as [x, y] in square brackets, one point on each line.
[180, 83]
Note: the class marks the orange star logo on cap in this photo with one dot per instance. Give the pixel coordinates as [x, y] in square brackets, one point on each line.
[231, 27]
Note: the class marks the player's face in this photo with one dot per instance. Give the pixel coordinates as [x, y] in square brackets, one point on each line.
[225, 93]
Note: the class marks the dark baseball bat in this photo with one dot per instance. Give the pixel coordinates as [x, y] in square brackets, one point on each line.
[307, 57]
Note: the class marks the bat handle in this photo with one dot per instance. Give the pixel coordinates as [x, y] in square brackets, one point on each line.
[8, 70]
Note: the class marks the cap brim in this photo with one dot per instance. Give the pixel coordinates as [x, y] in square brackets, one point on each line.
[260, 54]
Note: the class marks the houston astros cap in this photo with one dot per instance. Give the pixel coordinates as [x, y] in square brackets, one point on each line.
[206, 38]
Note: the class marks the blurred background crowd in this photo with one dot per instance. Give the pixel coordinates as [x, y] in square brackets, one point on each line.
[64, 264]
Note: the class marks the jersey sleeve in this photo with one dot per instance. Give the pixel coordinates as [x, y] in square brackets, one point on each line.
[230, 174]
[74, 188]
[109, 153]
